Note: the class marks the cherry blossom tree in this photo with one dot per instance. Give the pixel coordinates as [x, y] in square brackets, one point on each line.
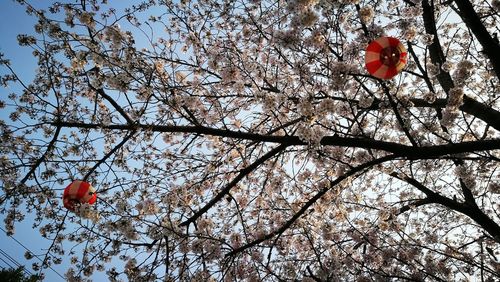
[244, 140]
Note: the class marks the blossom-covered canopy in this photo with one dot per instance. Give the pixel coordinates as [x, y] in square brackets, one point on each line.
[243, 140]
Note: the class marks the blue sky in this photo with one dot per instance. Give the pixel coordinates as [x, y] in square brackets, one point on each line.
[14, 21]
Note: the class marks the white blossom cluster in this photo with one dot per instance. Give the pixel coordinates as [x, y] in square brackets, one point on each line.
[427, 39]
[114, 35]
[462, 72]
[230, 73]
[235, 240]
[456, 97]
[287, 38]
[325, 107]
[455, 100]
[449, 116]
[337, 67]
[366, 101]
[430, 97]
[9, 223]
[366, 14]
[310, 134]
[85, 210]
[72, 276]
[305, 108]
[303, 13]
[119, 81]
[410, 32]
[494, 187]
[147, 207]
[126, 228]
[496, 5]
[87, 19]
[205, 225]
[299, 6]
[305, 19]
[447, 66]
[411, 12]
[317, 39]
[467, 176]
[131, 269]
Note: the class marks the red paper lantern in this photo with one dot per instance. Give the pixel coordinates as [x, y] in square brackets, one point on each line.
[385, 57]
[78, 192]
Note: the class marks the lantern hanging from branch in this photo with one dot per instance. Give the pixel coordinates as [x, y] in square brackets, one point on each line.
[77, 193]
[385, 57]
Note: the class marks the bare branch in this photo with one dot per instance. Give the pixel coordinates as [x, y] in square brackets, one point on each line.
[244, 172]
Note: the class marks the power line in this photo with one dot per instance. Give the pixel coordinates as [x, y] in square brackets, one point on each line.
[7, 263]
[7, 256]
[27, 249]
[16, 263]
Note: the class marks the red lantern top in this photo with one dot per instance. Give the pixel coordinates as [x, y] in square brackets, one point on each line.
[385, 57]
[78, 192]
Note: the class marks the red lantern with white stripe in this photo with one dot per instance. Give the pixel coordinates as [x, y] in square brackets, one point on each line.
[385, 57]
[77, 193]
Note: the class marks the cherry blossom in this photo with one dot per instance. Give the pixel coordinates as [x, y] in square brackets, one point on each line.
[244, 140]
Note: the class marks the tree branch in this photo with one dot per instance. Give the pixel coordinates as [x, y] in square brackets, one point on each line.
[244, 172]
[409, 152]
[470, 106]
[416, 203]
[109, 154]
[394, 107]
[44, 156]
[310, 202]
[435, 51]
[472, 20]
[481, 111]
[466, 208]
[113, 102]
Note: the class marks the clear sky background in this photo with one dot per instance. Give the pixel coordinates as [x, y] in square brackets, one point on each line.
[14, 21]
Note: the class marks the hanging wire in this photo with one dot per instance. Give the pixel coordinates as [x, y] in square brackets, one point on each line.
[6, 263]
[7, 256]
[16, 263]
[27, 249]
